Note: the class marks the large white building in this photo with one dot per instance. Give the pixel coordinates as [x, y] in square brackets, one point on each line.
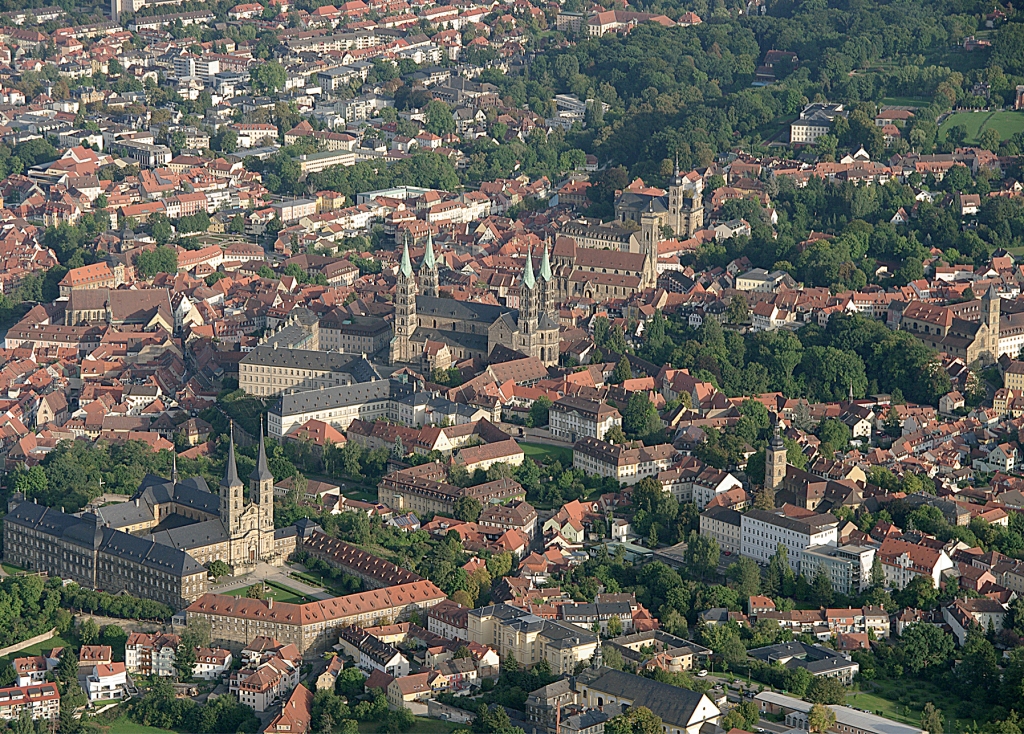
[815, 120]
[571, 419]
[762, 532]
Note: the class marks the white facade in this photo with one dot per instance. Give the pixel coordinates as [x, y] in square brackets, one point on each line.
[106, 682]
[762, 532]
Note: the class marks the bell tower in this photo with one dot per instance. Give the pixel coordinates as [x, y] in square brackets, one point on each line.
[775, 462]
[650, 236]
[261, 489]
[231, 491]
[685, 204]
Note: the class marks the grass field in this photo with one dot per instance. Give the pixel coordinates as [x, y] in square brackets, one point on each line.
[422, 726]
[124, 725]
[882, 699]
[544, 453]
[37, 648]
[12, 570]
[317, 580]
[905, 101]
[1006, 124]
[277, 592]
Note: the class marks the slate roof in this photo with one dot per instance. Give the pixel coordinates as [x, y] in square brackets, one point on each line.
[675, 706]
[59, 525]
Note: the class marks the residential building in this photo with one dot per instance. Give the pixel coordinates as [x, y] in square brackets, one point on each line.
[515, 515]
[682, 711]
[371, 654]
[449, 619]
[296, 713]
[964, 614]
[530, 639]
[572, 418]
[106, 682]
[903, 561]
[818, 660]
[41, 702]
[628, 462]
[151, 654]
[848, 566]
[211, 663]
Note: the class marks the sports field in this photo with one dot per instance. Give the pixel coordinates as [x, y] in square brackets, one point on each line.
[1007, 124]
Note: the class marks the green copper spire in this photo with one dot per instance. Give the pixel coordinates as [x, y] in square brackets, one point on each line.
[528, 280]
[428, 256]
[545, 265]
[406, 268]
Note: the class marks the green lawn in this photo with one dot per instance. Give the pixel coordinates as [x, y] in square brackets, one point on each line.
[544, 453]
[12, 570]
[905, 101]
[277, 593]
[37, 648]
[317, 580]
[124, 725]
[423, 726]
[882, 698]
[1006, 124]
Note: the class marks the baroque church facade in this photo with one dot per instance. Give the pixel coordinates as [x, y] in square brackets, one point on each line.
[425, 323]
[157, 543]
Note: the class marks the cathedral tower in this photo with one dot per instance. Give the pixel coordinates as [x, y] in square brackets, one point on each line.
[405, 311]
[528, 297]
[261, 488]
[546, 287]
[428, 270]
[231, 490]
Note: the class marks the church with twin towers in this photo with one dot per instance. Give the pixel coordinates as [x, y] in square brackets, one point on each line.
[427, 325]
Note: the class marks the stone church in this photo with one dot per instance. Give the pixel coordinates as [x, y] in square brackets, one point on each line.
[606, 261]
[228, 526]
[426, 324]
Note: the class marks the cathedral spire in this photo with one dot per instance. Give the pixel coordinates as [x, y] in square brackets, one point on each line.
[428, 256]
[545, 265]
[262, 472]
[528, 280]
[406, 268]
[231, 470]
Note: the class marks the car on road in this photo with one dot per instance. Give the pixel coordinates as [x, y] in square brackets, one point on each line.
[702, 674]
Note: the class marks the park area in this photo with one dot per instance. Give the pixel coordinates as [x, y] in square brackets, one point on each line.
[1007, 124]
[545, 453]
